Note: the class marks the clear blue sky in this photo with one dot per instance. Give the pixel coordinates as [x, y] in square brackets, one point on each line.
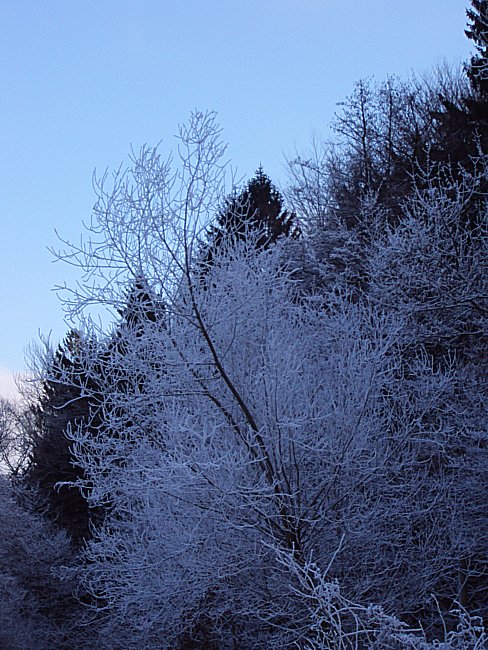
[82, 80]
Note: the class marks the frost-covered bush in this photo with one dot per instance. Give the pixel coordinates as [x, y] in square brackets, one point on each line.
[35, 604]
[335, 622]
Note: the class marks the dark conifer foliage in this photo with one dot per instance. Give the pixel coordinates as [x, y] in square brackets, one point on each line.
[259, 209]
[462, 133]
[478, 33]
[463, 127]
[51, 462]
[70, 399]
[141, 306]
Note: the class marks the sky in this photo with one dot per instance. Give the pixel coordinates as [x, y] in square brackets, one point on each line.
[83, 80]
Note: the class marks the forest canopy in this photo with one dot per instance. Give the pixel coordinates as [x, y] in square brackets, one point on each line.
[280, 440]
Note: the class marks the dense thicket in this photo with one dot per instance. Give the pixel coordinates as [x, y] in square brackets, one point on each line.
[281, 441]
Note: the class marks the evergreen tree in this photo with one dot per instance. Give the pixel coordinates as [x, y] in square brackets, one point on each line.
[70, 399]
[462, 127]
[257, 209]
[478, 33]
[458, 116]
[141, 307]
[63, 404]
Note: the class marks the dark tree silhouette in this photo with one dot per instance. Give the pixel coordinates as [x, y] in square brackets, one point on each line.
[258, 209]
[63, 404]
[71, 399]
[478, 33]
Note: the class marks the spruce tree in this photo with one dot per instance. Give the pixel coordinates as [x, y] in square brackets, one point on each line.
[478, 33]
[258, 209]
[62, 404]
[70, 399]
[461, 137]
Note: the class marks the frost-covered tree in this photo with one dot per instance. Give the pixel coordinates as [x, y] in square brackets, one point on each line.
[16, 426]
[250, 423]
[390, 138]
[431, 266]
[68, 397]
[432, 269]
[37, 607]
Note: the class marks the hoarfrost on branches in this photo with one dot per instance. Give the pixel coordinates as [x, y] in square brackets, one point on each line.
[251, 422]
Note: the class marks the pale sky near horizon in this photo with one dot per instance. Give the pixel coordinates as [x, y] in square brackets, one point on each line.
[82, 80]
